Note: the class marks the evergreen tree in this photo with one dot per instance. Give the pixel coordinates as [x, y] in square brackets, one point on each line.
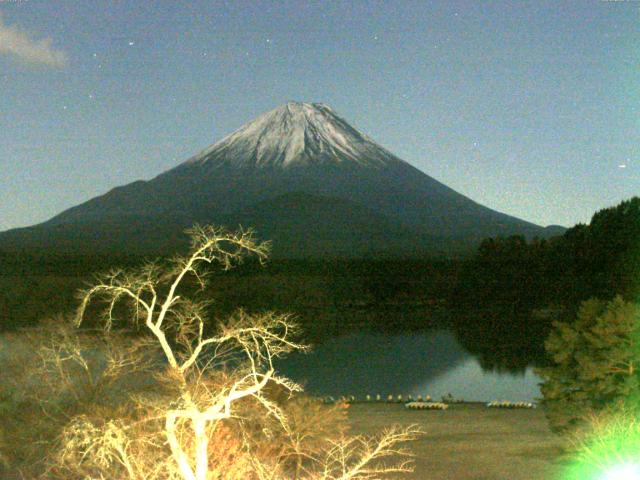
[595, 362]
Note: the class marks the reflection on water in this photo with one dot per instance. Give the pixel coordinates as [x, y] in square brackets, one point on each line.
[469, 382]
[431, 363]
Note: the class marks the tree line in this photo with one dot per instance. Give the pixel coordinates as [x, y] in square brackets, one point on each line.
[600, 259]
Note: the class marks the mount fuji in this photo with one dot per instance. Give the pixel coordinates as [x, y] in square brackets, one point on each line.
[303, 177]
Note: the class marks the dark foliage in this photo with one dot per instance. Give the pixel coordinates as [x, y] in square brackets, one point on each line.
[601, 260]
[510, 291]
[329, 297]
[595, 359]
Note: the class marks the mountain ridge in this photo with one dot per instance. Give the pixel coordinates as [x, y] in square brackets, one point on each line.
[297, 147]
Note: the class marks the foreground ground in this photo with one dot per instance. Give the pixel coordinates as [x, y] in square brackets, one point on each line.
[470, 441]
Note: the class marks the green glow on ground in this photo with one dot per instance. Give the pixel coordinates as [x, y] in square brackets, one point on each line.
[611, 451]
[625, 471]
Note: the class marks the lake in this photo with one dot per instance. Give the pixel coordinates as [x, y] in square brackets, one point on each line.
[430, 363]
[424, 363]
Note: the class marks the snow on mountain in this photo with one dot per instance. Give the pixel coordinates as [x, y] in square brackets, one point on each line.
[295, 134]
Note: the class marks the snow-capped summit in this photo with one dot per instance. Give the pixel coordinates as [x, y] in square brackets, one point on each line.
[295, 133]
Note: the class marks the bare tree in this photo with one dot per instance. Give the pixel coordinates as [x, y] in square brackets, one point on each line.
[210, 373]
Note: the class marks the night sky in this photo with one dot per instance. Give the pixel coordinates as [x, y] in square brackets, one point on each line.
[530, 108]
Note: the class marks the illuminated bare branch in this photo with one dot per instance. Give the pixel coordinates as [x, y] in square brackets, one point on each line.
[208, 379]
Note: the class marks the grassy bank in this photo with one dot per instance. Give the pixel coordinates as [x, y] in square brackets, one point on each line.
[470, 441]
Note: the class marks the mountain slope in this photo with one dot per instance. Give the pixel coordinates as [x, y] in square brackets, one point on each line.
[300, 224]
[298, 148]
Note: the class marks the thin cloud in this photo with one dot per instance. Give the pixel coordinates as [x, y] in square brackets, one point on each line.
[20, 44]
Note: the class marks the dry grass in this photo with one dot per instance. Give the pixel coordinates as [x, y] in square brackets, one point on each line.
[470, 442]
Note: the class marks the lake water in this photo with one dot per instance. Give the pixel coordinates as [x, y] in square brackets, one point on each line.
[431, 363]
